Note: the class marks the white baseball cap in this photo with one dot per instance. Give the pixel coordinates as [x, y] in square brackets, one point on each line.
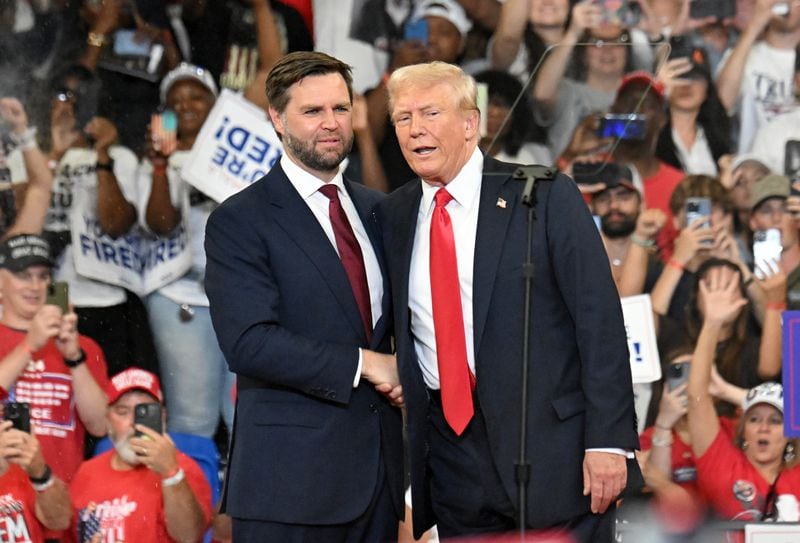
[769, 393]
[186, 71]
[446, 9]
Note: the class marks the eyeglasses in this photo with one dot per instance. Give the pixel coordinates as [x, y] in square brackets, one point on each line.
[65, 95]
[622, 39]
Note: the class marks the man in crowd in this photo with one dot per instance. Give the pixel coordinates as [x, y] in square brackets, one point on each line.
[299, 307]
[43, 359]
[143, 489]
[455, 241]
[32, 497]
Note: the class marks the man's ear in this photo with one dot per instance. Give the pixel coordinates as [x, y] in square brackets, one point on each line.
[275, 117]
[472, 124]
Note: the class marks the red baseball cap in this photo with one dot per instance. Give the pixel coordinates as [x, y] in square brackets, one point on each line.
[642, 78]
[133, 379]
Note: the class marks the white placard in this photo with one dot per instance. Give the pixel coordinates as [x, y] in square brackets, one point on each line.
[640, 327]
[236, 147]
[772, 533]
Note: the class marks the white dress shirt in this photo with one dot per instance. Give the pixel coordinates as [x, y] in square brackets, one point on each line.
[465, 189]
[308, 187]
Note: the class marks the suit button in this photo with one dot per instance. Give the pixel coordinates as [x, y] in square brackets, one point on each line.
[373, 407]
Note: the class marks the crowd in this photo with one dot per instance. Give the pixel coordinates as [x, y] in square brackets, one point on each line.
[656, 108]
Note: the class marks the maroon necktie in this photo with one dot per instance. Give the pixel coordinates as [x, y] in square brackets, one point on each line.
[448, 320]
[351, 256]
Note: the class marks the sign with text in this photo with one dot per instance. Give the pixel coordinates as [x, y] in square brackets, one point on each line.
[772, 533]
[791, 373]
[236, 147]
[641, 331]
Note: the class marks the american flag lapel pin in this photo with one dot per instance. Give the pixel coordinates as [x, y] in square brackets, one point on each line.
[501, 203]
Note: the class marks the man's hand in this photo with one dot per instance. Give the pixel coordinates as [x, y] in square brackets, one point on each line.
[650, 223]
[102, 132]
[604, 477]
[155, 451]
[67, 341]
[381, 370]
[12, 111]
[21, 448]
[46, 324]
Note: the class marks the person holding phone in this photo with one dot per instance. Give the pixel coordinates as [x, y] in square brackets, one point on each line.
[143, 489]
[44, 361]
[34, 499]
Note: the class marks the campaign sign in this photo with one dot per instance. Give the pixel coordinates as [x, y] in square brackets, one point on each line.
[640, 328]
[771, 533]
[137, 261]
[236, 146]
[791, 373]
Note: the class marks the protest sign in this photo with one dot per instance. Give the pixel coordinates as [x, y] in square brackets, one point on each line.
[639, 325]
[791, 373]
[236, 147]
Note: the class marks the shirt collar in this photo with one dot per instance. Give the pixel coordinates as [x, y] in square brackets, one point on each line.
[465, 186]
[305, 183]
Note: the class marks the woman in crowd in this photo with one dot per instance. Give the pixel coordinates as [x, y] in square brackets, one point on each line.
[197, 383]
[755, 475]
[697, 133]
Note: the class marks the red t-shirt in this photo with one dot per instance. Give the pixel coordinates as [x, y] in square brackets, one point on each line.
[684, 471]
[18, 523]
[127, 505]
[732, 485]
[46, 383]
[657, 192]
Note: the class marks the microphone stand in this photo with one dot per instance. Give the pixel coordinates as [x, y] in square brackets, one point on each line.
[531, 175]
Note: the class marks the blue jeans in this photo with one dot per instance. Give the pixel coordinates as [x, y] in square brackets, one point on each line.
[195, 377]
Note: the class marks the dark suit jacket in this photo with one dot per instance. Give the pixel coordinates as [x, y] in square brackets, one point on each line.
[580, 393]
[306, 445]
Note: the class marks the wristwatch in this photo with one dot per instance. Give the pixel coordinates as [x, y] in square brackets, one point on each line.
[77, 362]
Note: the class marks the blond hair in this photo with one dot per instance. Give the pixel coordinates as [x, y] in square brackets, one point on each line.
[421, 76]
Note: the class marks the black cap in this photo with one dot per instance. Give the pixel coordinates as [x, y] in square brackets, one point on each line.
[23, 251]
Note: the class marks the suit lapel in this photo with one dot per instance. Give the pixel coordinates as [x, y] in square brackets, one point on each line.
[407, 210]
[493, 220]
[299, 223]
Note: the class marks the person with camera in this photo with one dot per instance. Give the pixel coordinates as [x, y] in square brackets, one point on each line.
[44, 361]
[32, 498]
[143, 489]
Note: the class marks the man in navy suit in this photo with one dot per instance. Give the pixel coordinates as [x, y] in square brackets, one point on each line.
[455, 263]
[300, 308]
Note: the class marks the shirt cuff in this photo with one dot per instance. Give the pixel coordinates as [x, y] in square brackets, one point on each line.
[358, 369]
[623, 452]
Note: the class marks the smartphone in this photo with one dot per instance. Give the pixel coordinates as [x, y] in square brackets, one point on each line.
[625, 126]
[766, 247]
[19, 413]
[148, 414]
[677, 374]
[680, 47]
[622, 12]
[128, 44]
[791, 164]
[698, 208]
[163, 132]
[721, 9]
[416, 30]
[58, 295]
[587, 173]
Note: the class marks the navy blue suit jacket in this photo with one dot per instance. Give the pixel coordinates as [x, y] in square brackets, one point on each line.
[306, 445]
[580, 394]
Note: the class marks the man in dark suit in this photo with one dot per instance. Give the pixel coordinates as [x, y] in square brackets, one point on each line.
[300, 308]
[455, 264]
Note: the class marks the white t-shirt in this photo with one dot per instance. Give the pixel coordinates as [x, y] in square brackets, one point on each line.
[769, 144]
[189, 288]
[766, 89]
[76, 168]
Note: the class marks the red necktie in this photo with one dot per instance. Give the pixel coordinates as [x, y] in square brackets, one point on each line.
[351, 256]
[448, 320]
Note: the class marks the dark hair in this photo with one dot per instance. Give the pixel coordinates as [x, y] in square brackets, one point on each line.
[693, 186]
[507, 88]
[729, 357]
[657, 389]
[578, 68]
[295, 66]
[714, 120]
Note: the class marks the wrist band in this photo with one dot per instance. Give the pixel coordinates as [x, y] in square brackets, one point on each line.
[96, 40]
[25, 141]
[675, 264]
[78, 361]
[779, 306]
[645, 243]
[174, 479]
[46, 476]
[659, 442]
[107, 166]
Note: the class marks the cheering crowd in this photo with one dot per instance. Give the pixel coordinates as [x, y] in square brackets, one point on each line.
[674, 119]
